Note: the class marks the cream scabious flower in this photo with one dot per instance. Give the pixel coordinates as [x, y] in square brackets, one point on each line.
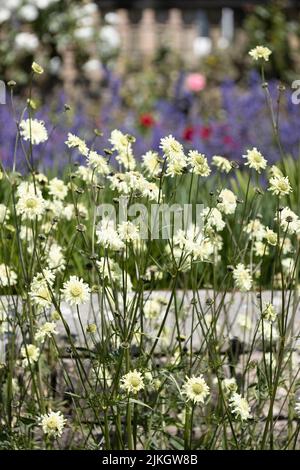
[255, 160]
[280, 185]
[108, 237]
[40, 288]
[132, 382]
[171, 148]
[75, 291]
[213, 219]
[152, 308]
[227, 202]
[8, 277]
[30, 354]
[75, 142]
[289, 221]
[98, 163]
[260, 52]
[271, 236]
[33, 130]
[46, 330]
[242, 278]
[221, 163]
[239, 406]
[57, 188]
[195, 389]
[55, 258]
[198, 163]
[52, 423]
[174, 154]
[31, 205]
[4, 213]
[122, 144]
[229, 386]
[269, 313]
[255, 229]
[151, 163]
[128, 231]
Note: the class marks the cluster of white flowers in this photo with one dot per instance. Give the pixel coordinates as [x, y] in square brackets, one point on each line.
[134, 182]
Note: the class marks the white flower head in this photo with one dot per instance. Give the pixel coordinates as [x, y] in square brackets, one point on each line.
[198, 162]
[30, 354]
[242, 278]
[75, 142]
[223, 165]
[57, 188]
[227, 202]
[239, 406]
[255, 160]
[151, 163]
[260, 52]
[52, 423]
[280, 185]
[196, 389]
[132, 382]
[34, 131]
[8, 277]
[75, 291]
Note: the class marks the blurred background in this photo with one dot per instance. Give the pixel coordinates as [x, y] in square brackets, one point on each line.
[150, 68]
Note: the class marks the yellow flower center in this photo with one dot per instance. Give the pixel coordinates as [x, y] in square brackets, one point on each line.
[197, 388]
[135, 381]
[52, 423]
[76, 291]
[31, 203]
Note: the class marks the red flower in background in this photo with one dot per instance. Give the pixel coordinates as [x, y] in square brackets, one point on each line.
[205, 132]
[228, 140]
[147, 120]
[188, 133]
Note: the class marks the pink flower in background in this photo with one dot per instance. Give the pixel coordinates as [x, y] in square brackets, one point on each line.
[195, 82]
